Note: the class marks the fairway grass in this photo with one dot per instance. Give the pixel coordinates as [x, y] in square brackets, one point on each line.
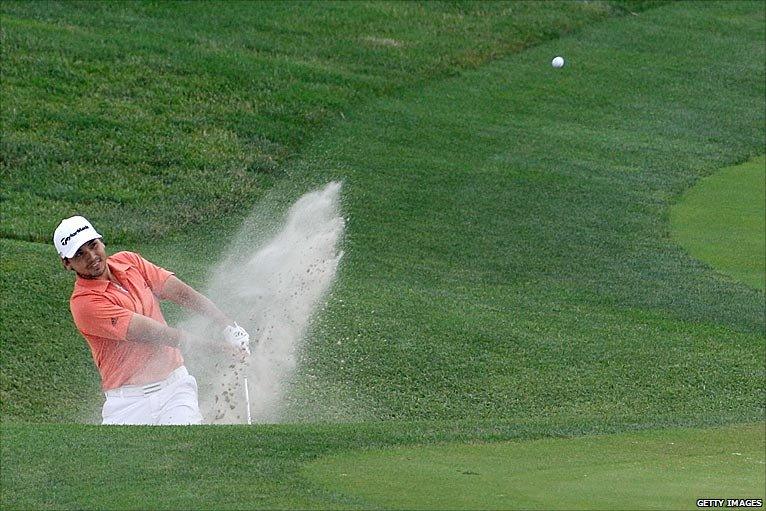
[722, 221]
[667, 469]
[74, 466]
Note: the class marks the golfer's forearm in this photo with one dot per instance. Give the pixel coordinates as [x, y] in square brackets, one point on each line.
[150, 331]
[186, 296]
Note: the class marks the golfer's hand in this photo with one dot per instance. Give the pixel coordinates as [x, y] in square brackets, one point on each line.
[237, 337]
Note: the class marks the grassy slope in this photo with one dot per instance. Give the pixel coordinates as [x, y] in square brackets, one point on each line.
[158, 116]
[160, 128]
[722, 221]
[516, 261]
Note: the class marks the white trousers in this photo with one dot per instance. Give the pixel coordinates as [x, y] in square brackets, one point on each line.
[172, 401]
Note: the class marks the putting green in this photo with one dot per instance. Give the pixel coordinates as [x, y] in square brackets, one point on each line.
[667, 469]
[722, 221]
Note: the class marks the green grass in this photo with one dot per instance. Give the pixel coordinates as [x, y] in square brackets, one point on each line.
[515, 260]
[667, 469]
[509, 273]
[159, 80]
[722, 221]
[53, 466]
[160, 116]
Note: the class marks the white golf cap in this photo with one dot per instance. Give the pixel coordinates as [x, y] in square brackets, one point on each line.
[71, 234]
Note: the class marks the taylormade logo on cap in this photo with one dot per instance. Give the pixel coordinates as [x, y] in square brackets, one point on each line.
[66, 240]
[71, 234]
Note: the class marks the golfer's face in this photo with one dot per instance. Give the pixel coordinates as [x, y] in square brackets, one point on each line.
[90, 260]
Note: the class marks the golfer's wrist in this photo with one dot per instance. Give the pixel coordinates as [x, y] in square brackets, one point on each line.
[223, 320]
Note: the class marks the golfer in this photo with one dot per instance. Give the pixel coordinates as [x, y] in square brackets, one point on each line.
[115, 306]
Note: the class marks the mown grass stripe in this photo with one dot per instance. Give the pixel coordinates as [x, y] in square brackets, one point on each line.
[668, 469]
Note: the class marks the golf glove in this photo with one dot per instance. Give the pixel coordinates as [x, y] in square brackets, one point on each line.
[237, 337]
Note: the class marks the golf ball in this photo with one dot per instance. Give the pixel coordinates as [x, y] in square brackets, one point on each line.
[557, 62]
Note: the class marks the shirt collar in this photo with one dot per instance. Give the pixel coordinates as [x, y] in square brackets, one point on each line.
[118, 267]
[100, 285]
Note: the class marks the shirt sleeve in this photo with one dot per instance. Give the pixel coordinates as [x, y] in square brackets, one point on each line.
[95, 315]
[154, 275]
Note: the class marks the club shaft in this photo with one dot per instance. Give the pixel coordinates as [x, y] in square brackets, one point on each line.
[247, 401]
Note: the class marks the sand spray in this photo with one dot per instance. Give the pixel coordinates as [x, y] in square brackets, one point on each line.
[272, 282]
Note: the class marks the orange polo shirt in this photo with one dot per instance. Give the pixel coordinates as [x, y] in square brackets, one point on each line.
[102, 312]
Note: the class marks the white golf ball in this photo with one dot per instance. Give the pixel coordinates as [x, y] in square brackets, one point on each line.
[557, 62]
